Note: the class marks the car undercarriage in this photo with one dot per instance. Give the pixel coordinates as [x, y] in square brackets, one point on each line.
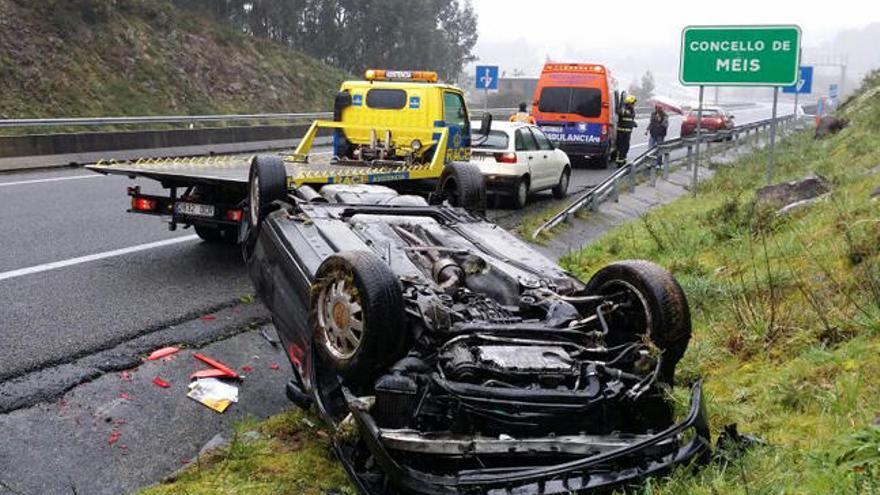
[451, 358]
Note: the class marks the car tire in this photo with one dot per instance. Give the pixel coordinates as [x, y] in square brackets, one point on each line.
[463, 185]
[267, 182]
[357, 316]
[660, 312]
[215, 235]
[520, 193]
[561, 189]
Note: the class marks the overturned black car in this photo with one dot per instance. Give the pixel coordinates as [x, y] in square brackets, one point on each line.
[453, 359]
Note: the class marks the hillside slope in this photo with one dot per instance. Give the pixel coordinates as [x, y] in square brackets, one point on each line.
[786, 311]
[142, 57]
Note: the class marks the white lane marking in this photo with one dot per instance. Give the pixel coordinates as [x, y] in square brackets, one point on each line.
[638, 145]
[93, 257]
[55, 179]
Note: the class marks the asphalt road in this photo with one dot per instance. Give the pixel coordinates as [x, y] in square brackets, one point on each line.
[86, 287]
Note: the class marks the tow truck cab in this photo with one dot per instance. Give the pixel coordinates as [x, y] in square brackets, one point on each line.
[574, 104]
[411, 107]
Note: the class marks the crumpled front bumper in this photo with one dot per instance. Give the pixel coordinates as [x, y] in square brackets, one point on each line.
[581, 475]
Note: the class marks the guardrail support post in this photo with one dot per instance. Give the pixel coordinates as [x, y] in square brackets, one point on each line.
[615, 192]
[690, 157]
[632, 178]
[665, 164]
[653, 174]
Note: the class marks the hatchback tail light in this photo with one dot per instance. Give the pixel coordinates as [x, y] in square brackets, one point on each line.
[233, 215]
[505, 157]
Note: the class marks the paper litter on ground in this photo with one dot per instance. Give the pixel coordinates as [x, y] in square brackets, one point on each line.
[213, 393]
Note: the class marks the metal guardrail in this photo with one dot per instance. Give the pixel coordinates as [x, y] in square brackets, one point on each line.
[187, 119]
[648, 162]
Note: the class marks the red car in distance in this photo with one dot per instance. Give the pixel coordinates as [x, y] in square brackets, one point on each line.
[714, 119]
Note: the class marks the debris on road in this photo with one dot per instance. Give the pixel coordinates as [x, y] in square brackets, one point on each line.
[161, 353]
[125, 376]
[247, 368]
[269, 338]
[211, 373]
[213, 393]
[113, 438]
[274, 366]
[160, 382]
[216, 364]
[208, 317]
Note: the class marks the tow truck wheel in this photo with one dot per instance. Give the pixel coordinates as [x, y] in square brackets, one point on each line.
[463, 185]
[356, 315]
[267, 183]
[652, 306]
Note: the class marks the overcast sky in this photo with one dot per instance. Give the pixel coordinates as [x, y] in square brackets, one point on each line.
[603, 23]
[633, 34]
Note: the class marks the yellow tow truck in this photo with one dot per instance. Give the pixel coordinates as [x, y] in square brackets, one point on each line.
[400, 128]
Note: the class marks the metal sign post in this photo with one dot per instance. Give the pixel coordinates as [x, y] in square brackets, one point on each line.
[699, 140]
[772, 136]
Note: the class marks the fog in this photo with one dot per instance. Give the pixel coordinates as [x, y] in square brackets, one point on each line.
[633, 37]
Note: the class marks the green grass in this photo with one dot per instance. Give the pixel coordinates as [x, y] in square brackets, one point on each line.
[786, 312]
[293, 456]
[145, 57]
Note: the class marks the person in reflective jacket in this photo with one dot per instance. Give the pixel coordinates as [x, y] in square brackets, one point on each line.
[625, 124]
[523, 115]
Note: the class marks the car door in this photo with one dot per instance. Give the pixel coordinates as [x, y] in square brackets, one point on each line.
[526, 154]
[456, 119]
[548, 168]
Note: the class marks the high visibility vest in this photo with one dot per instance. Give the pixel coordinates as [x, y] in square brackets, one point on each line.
[522, 117]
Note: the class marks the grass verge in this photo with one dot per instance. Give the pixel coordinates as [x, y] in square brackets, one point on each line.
[786, 312]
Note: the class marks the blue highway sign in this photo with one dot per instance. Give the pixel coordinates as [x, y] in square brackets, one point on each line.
[487, 77]
[804, 85]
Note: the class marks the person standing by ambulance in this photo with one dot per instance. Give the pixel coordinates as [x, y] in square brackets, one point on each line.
[626, 122]
[523, 115]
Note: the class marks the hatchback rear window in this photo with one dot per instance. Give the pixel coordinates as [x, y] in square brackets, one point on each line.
[586, 102]
[706, 113]
[497, 140]
[386, 99]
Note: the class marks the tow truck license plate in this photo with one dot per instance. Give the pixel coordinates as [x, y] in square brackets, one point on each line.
[552, 128]
[195, 210]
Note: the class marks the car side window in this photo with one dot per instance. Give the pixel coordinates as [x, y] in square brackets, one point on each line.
[543, 142]
[525, 141]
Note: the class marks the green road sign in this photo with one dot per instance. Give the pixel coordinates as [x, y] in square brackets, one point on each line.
[740, 55]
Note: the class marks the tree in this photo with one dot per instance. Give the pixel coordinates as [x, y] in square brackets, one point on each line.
[357, 34]
[645, 90]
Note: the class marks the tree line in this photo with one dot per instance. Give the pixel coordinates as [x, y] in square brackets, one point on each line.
[358, 34]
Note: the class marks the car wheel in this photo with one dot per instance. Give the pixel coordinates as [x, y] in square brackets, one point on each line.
[463, 185]
[215, 235]
[654, 307]
[561, 189]
[520, 193]
[356, 314]
[267, 182]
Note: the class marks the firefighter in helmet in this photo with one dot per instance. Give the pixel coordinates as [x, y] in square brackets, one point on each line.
[625, 125]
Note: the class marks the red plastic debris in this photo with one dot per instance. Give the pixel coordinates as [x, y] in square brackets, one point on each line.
[211, 373]
[163, 352]
[113, 438]
[274, 366]
[247, 368]
[125, 376]
[216, 364]
[208, 317]
[160, 382]
[124, 396]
